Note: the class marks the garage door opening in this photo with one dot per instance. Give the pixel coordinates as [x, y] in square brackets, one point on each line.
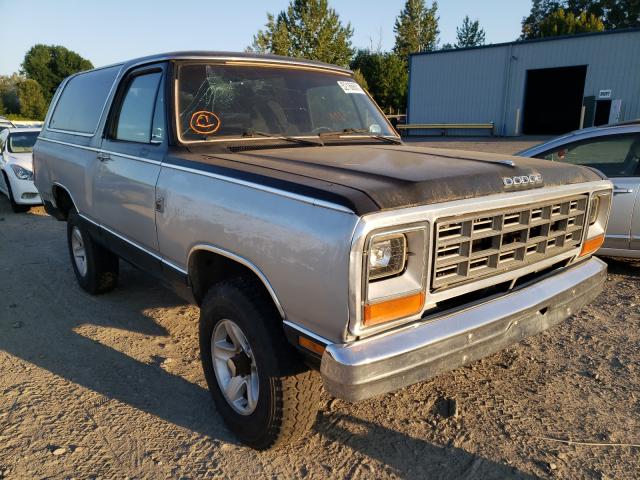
[553, 100]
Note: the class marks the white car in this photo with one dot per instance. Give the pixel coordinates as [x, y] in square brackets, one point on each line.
[16, 167]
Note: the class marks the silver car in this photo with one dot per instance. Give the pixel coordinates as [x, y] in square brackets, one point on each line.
[615, 151]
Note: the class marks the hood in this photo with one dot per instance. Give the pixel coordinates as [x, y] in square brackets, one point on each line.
[369, 178]
[25, 160]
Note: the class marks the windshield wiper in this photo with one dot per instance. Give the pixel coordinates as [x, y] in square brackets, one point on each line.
[362, 132]
[257, 133]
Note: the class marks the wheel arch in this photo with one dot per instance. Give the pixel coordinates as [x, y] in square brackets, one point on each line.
[208, 264]
[64, 201]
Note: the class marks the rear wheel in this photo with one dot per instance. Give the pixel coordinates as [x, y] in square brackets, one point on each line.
[17, 208]
[260, 385]
[95, 267]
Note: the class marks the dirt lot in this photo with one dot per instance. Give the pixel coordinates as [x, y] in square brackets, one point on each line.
[111, 387]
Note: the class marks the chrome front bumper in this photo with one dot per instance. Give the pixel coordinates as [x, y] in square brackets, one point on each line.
[415, 353]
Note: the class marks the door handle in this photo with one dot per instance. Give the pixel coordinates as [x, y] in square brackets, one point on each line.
[620, 190]
[103, 157]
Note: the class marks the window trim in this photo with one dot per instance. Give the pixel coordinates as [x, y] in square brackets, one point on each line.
[584, 141]
[64, 85]
[110, 129]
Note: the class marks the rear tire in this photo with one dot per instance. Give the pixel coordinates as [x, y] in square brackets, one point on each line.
[16, 207]
[288, 392]
[95, 267]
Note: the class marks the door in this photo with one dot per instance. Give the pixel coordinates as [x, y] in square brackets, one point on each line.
[618, 157]
[603, 110]
[132, 150]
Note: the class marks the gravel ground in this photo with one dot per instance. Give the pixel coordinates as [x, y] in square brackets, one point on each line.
[111, 387]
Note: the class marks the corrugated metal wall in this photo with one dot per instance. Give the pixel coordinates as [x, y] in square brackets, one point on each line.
[488, 84]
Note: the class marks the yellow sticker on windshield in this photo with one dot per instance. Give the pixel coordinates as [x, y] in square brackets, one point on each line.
[350, 87]
[204, 122]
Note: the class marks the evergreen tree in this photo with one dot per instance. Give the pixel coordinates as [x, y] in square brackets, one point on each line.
[416, 28]
[469, 34]
[50, 64]
[307, 29]
[359, 77]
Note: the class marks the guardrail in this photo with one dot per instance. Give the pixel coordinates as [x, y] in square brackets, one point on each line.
[444, 127]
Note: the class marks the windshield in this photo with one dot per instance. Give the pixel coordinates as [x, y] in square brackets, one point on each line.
[22, 142]
[221, 101]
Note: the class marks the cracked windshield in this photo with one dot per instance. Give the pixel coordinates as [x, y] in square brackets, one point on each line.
[223, 101]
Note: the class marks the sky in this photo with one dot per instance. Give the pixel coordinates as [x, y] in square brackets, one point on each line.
[109, 31]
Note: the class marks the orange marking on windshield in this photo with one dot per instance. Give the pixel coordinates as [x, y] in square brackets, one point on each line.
[204, 122]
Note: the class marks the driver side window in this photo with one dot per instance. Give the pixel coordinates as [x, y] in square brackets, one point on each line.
[615, 155]
[141, 117]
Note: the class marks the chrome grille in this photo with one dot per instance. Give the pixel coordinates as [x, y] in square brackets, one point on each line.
[483, 244]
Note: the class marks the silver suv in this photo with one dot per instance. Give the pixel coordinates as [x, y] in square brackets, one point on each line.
[274, 193]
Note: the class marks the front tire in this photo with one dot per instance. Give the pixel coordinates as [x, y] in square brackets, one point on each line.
[95, 267]
[261, 387]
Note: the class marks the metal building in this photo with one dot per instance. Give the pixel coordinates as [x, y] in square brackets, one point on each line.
[548, 86]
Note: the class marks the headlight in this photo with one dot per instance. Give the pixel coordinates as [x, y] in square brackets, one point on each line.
[598, 216]
[387, 256]
[22, 173]
[594, 207]
[394, 263]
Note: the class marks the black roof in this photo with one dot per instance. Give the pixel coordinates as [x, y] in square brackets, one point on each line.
[534, 40]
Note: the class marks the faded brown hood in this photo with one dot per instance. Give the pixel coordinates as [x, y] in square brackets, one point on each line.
[376, 177]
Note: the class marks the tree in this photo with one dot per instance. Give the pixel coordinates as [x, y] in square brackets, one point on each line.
[612, 13]
[9, 93]
[562, 23]
[50, 64]
[620, 13]
[416, 28]
[539, 10]
[359, 77]
[469, 34]
[31, 99]
[308, 29]
[386, 77]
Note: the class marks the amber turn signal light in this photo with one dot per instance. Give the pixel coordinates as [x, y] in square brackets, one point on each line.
[592, 245]
[311, 345]
[393, 309]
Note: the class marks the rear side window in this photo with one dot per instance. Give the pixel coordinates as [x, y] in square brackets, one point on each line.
[82, 100]
[137, 110]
